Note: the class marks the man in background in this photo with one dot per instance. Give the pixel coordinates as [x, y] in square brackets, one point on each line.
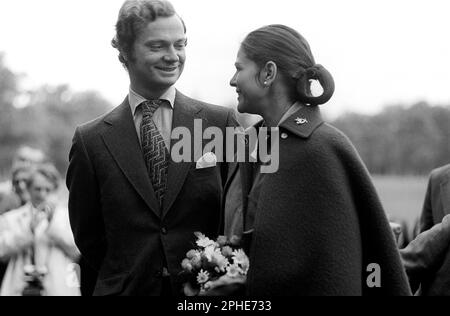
[17, 195]
[427, 258]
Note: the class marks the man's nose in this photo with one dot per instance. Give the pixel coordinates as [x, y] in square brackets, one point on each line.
[43, 194]
[172, 55]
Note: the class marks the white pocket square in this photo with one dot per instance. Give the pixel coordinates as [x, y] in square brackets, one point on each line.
[207, 161]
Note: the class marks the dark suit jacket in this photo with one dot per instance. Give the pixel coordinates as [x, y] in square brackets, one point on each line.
[427, 258]
[437, 199]
[122, 234]
[319, 223]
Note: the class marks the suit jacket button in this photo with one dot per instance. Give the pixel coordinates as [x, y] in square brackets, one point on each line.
[284, 136]
[164, 231]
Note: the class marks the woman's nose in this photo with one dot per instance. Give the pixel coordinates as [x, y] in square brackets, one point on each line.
[233, 81]
[22, 185]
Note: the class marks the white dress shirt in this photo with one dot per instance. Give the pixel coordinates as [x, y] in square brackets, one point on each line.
[163, 116]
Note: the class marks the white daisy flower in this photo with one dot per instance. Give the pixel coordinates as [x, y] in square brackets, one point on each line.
[203, 277]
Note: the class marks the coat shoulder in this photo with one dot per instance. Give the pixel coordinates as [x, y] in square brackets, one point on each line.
[93, 125]
[441, 174]
[332, 141]
[211, 111]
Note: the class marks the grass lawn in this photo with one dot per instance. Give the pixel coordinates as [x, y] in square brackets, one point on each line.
[402, 197]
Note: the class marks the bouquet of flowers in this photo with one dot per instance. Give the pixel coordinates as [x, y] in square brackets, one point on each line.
[214, 262]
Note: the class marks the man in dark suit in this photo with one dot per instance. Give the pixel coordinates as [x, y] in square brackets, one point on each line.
[133, 209]
[437, 200]
[427, 258]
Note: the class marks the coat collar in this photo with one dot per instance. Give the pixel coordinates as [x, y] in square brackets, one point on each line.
[185, 112]
[303, 122]
[123, 143]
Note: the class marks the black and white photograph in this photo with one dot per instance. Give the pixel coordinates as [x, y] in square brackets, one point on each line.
[222, 154]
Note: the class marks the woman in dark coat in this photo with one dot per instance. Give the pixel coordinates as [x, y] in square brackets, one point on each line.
[316, 225]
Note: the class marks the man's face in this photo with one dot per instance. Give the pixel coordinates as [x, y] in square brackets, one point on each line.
[158, 55]
[20, 185]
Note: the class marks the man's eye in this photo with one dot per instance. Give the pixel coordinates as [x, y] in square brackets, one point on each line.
[180, 45]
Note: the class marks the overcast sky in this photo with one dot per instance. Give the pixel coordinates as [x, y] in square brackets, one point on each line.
[380, 52]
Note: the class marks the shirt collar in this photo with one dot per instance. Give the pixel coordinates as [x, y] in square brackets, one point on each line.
[135, 99]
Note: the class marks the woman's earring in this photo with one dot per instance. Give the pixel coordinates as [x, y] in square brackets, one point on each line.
[265, 83]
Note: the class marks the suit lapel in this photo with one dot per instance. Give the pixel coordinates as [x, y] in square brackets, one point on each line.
[233, 168]
[123, 143]
[445, 196]
[247, 171]
[185, 112]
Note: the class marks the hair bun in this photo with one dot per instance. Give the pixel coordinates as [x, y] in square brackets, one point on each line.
[316, 72]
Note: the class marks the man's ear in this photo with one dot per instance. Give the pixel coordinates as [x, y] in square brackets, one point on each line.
[269, 73]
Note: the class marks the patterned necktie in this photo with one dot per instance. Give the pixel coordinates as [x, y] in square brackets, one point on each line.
[156, 155]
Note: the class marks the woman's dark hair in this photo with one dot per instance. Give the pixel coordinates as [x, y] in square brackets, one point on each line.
[134, 16]
[291, 53]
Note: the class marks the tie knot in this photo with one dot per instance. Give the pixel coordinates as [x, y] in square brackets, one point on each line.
[150, 107]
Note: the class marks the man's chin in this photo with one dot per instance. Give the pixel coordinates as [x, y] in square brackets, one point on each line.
[168, 81]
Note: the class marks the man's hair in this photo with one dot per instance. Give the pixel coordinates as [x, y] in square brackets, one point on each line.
[134, 16]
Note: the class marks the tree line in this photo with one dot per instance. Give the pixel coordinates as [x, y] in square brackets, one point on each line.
[400, 140]
[43, 118]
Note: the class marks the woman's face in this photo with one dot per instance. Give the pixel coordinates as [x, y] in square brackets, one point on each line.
[248, 86]
[40, 189]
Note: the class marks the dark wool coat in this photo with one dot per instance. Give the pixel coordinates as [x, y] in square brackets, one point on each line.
[319, 222]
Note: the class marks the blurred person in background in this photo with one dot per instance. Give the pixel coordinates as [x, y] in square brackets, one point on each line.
[16, 195]
[427, 258]
[36, 239]
[19, 195]
[15, 199]
[437, 199]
